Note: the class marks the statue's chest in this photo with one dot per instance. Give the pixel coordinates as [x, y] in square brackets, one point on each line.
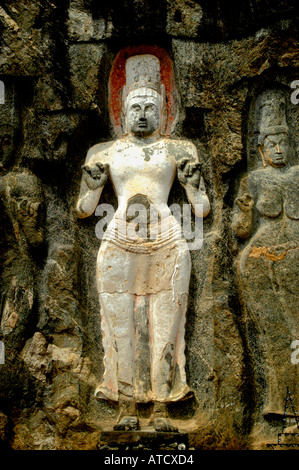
[277, 194]
[149, 161]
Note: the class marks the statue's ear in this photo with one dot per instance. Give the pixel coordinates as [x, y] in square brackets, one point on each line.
[124, 123]
[260, 148]
[123, 111]
[164, 111]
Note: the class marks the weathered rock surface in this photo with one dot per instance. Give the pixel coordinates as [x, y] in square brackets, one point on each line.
[55, 63]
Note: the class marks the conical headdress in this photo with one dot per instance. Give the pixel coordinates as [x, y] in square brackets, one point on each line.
[143, 77]
[272, 115]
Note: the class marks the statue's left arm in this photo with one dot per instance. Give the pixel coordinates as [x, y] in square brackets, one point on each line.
[189, 175]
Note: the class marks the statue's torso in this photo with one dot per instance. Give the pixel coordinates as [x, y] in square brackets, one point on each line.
[142, 169]
[276, 202]
[276, 193]
[147, 170]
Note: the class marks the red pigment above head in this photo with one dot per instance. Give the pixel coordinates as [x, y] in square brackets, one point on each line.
[153, 73]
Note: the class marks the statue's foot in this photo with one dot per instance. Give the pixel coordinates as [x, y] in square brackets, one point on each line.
[127, 423]
[292, 429]
[163, 424]
[275, 411]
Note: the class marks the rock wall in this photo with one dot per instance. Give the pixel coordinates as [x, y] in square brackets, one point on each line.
[55, 63]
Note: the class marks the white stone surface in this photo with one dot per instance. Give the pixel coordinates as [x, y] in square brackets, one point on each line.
[143, 283]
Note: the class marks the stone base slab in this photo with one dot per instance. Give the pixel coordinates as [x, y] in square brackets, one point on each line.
[146, 439]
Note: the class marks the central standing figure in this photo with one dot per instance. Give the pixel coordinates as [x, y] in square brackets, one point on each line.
[143, 278]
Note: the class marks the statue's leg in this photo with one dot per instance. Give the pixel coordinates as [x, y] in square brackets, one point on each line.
[167, 323]
[117, 311]
[167, 316]
[274, 319]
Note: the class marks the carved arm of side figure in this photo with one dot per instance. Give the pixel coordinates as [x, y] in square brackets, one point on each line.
[189, 175]
[94, 177]
[242, 223]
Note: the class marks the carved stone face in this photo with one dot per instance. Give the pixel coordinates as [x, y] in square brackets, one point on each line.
[143, 116]
[276, 149]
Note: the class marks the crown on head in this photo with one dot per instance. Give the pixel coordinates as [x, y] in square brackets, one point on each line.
[272, 114]
[143, 71]
[143, 77]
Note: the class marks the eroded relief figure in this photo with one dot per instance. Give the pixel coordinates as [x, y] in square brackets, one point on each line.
[21, 215]
[267, 216]
[143, 281]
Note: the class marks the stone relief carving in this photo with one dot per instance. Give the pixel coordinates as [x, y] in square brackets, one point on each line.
[9, 125]
[55, 62]
[266, 220]
[22, 203]
[143, 282]
[23, 232]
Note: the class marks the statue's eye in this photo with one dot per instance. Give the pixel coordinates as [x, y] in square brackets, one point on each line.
[135, 107]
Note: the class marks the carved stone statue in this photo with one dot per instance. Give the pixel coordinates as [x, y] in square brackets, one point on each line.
[142, 281]
[22, 234]
[267, 216]
[21, 215]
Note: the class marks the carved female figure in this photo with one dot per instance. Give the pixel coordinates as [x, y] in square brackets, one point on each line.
[267, 211]
[143, 282]
[21, 217]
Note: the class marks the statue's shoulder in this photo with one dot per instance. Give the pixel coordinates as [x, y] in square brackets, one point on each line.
[294, 171]
[180, 149]
[257, 181]
[256, 175]
[100, 152]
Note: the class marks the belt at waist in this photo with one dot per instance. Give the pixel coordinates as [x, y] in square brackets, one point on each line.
[139, 238]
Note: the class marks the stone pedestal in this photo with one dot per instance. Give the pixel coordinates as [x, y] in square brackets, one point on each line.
[145, 439]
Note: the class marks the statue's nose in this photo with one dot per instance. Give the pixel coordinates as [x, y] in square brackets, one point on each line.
[142, 114]
[278, 149]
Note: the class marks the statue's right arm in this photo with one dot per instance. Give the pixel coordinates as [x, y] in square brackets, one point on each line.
[91, 188]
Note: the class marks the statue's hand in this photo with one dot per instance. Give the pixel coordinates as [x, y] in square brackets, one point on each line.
[189, 172]
[28, 213]
[96, 175]
[28, 208]
[245, 203]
